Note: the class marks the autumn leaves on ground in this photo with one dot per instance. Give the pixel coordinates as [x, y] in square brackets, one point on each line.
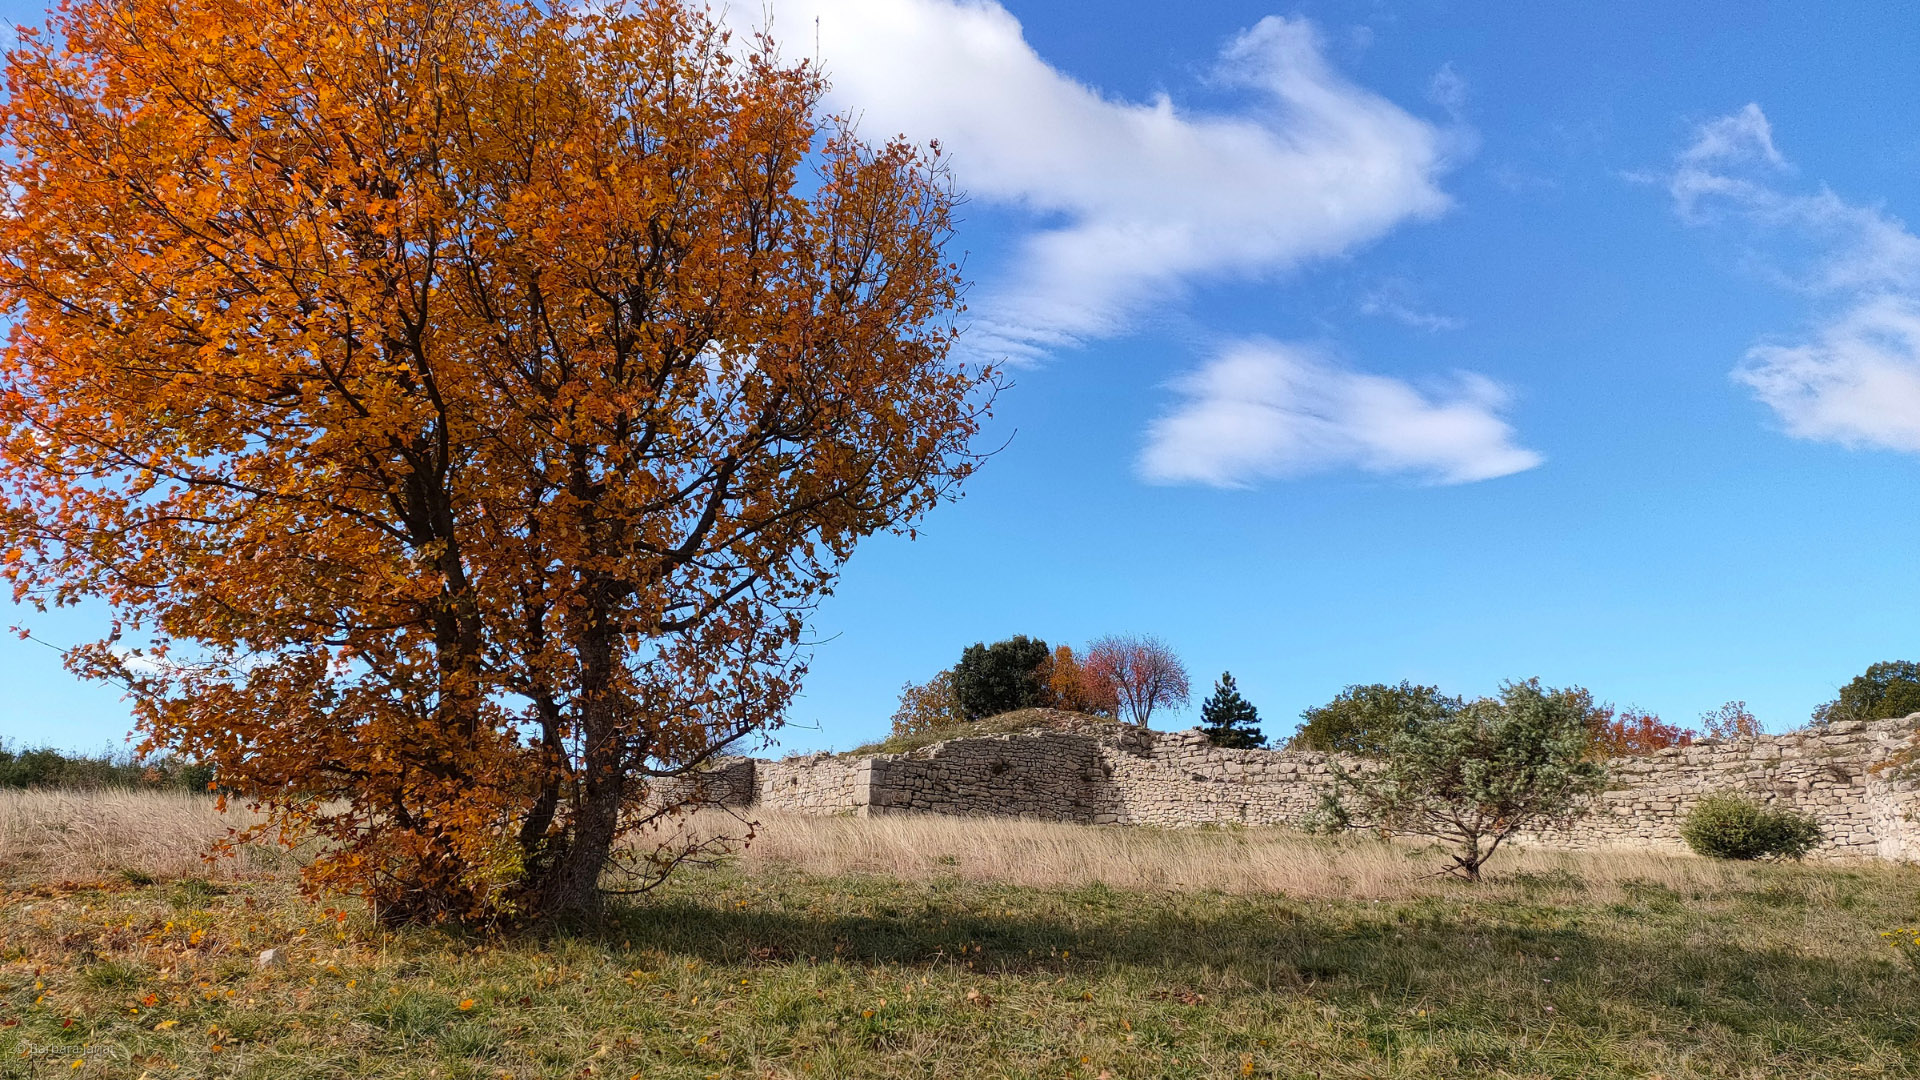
[916, 947]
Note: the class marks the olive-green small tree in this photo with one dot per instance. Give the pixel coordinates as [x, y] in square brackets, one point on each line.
[928, 706]
[1472, 775]
[1364, 719]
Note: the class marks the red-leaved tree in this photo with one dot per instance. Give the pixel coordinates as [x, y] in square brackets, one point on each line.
[1730, 721]
[1072, 687]
[1142, 673]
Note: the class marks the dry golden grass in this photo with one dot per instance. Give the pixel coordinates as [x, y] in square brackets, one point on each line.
[147, 834]
[77, 835]
[1243, 861]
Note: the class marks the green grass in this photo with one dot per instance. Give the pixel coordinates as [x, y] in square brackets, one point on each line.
[777, 974]
[1010, 723]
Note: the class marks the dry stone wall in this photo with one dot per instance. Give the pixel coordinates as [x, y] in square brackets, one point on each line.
[814, 784]
[1828, 772]
[1112, 774]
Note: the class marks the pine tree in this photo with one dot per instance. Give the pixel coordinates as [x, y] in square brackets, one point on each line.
[1229, 720]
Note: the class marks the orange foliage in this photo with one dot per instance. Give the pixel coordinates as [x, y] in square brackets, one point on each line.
[1631, 731]
[1069, 685]
[460, 404]
[928, 706]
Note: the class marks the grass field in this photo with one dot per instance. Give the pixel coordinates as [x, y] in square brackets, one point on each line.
[938, 948]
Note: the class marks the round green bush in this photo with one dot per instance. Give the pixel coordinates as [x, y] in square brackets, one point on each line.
[1738, 827]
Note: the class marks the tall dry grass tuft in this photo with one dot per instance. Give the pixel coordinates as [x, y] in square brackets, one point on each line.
[56, 836]
[1042, 854]
[75, 835]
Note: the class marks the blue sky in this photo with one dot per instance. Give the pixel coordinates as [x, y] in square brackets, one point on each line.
[1356, 342]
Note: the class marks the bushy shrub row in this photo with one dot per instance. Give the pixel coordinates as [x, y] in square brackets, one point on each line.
[43, 767]
[1364, 719]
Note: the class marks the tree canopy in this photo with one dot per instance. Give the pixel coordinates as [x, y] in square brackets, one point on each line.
[1001, 677]
[1364, 719]
[1885, 690]
[1143, 672]
[928, 706]
[1070, 686]
[461, 405]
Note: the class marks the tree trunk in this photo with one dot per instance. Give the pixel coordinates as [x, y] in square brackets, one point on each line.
[567, 890]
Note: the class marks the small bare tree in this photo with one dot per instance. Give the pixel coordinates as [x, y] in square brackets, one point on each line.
[1730, 721]
[1143, 672]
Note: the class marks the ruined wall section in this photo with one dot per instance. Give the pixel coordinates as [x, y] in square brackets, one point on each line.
[813, 784]
[1181, 779]
[1114, 774]
[1829, 772]
[1047, 775]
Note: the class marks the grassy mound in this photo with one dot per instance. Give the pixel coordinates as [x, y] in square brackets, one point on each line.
[1020, 720]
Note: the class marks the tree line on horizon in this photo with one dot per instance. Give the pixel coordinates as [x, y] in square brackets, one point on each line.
[1128, 677]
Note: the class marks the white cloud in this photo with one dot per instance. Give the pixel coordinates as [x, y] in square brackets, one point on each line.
[1857, 383]
[1856, 379]
[1133, 201]
[1264, 410]
[1744, 134]
[1741, 140]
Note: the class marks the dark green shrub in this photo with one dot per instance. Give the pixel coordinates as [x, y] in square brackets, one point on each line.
[44, 767]
[1738, 827]
[1001, 677]
[1885, 690]
[194, 777]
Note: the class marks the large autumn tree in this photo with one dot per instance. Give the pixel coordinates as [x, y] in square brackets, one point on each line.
[460, 403]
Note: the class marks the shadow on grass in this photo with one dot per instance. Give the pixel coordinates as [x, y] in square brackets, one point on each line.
[1490, 960]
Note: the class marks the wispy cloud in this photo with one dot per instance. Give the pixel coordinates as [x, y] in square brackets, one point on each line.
[1855, 378]
[1448, 90]
[1394, 299]
[1133, 202]
[1269, 410]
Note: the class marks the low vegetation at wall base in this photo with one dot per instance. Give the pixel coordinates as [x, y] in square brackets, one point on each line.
[1729, 826]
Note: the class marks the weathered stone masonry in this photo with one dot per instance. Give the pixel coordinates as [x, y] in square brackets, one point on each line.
[1110, 774]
